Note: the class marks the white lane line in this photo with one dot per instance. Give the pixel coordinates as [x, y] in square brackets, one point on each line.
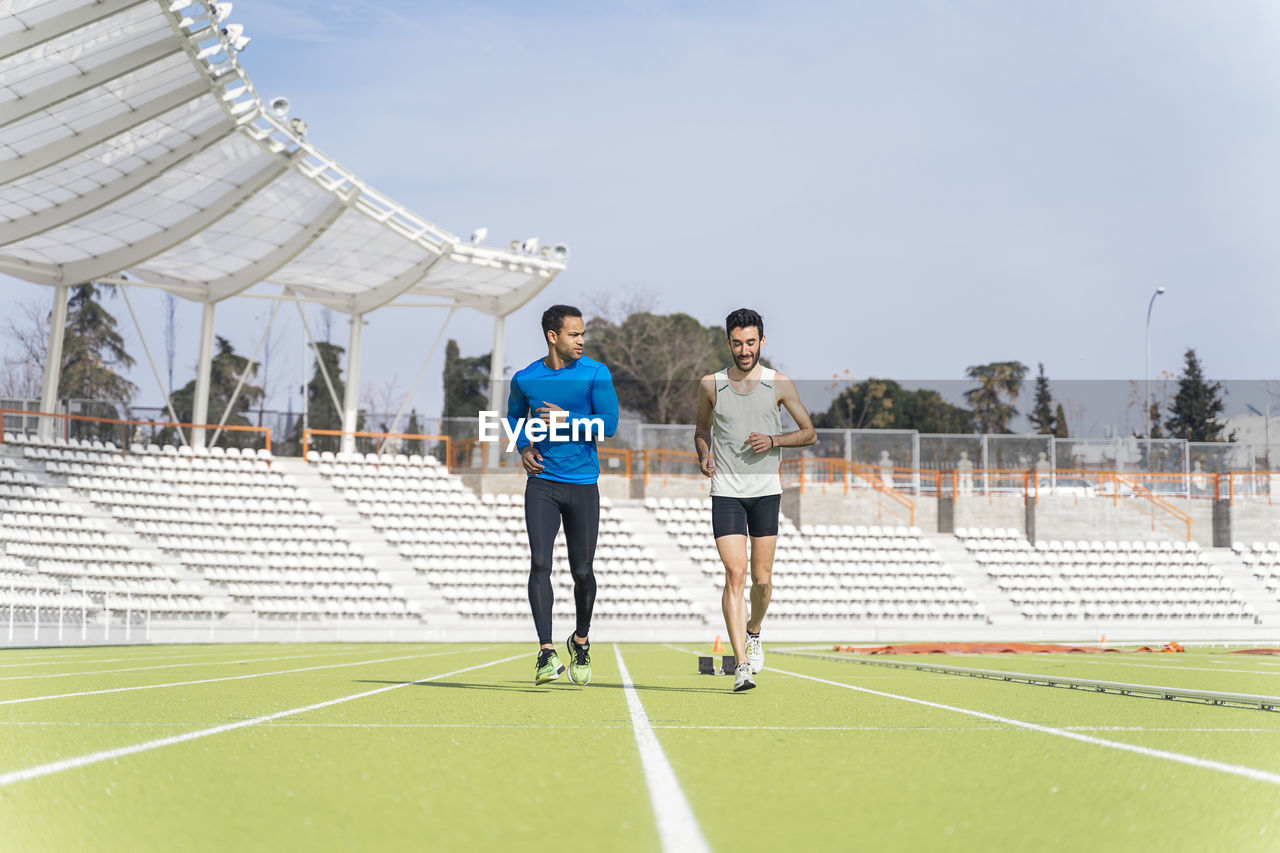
[1207, 763]
[169, 666]
[112, 754]
[73, 660]
[656, 727]
[221, 678]
[677, 827]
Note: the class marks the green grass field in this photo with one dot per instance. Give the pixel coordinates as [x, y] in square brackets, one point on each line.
[334, 747]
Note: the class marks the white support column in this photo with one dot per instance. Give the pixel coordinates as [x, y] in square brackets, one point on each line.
[53, 360]
[204, 366]
[351, 394]
[497, 363]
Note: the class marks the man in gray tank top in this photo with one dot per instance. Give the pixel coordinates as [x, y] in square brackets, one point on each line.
[738, 439]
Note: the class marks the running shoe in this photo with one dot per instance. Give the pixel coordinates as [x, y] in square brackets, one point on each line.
[579, 661]
[755, 653]
[742, 678]
[548, 667]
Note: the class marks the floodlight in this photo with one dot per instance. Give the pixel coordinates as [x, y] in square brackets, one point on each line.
[241, 43]
[514, 245]
[233, 31]
[298, 126]
[560, 252]
[545, 251]
[478, 235]
[530, 246]
[221, 11]
[279, 107]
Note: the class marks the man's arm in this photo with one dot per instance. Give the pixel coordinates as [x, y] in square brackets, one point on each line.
[803, 436]
[702, 431]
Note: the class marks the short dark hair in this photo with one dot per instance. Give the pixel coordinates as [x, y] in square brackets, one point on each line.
[553, 318]
[742, 318]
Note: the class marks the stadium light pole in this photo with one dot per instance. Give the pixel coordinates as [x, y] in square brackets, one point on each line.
[1146, 394]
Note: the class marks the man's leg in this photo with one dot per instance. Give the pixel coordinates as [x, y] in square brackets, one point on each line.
[542, 520]
[762, 549]
[733, 553]
[581, 529]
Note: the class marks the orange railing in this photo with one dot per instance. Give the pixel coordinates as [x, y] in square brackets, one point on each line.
[809, 473]
[664, 464]
[308, 433]
[124, 435]
[1156, 502]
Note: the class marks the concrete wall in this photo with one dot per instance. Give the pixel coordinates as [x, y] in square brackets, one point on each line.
[1255, 520]
[859, 506]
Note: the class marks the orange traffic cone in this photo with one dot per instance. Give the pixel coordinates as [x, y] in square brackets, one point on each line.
[1104, 639]
[718, 647]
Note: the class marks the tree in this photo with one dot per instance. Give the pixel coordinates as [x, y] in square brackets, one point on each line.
[92, 349]
[224, 373]
[1153, 418]
[1060, 423]
[996, 381]
[656, 361]
[28, 327]
[1197, 404]
[321, 412]
[466, 384]
[884, 404]
[1042, 417]
[413, 446]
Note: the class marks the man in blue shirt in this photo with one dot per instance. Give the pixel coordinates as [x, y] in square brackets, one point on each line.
[558, 408]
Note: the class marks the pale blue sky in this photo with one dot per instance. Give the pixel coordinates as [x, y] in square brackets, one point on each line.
[902, 189]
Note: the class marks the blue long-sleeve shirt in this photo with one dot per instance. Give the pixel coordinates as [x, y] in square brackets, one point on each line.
[585, 390]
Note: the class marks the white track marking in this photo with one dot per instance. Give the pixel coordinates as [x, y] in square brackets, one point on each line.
[677, 827]
[223, 678]
[1206, 763]
[73, 660]
[170, 666]
[658, 726]
[112, 754]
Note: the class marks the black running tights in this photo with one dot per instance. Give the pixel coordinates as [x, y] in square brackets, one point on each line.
[546, 502]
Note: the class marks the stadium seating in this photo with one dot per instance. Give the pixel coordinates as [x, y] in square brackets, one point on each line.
[835, 571]
[226, 516]
[1263, 559]
[74, 552]
[474, 551]
[1104, 579]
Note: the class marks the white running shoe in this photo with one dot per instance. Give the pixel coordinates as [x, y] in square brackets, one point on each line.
[742, 678]
[755, 653]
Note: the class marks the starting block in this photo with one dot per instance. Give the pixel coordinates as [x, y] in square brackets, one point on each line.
[707, 665]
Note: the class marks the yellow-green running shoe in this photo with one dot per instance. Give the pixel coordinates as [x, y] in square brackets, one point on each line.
[548, 667]
[579, 661]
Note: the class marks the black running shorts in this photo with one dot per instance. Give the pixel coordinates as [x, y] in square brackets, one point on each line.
[745, 516]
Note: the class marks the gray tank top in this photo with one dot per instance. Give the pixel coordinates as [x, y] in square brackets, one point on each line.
[740, 471]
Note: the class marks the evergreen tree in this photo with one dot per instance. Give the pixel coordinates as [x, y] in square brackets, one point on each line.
[1195, 408]
[1060, 423]
[413, 446]
[1041, 416]
[466, 383]
[996, 381]
[224, 372]
[92, 349]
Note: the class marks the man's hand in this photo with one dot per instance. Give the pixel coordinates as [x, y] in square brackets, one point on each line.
[544, 411]
[759, 442]
[532, 460]
[707, 464]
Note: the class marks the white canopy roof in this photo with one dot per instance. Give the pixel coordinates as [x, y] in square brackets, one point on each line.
[131, 142]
